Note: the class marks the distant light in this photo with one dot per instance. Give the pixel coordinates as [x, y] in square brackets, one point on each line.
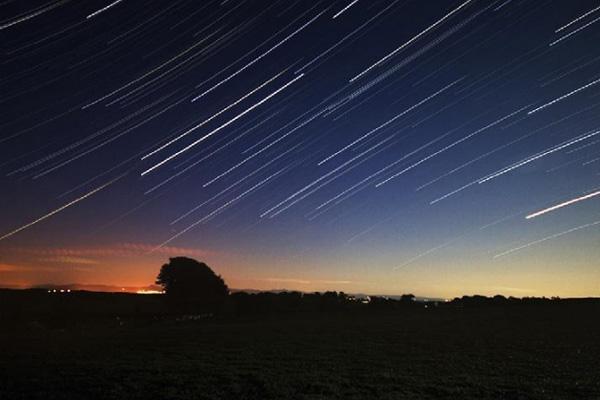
[142, 291]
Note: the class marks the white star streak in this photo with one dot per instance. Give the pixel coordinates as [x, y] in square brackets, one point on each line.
[502, 5]
[77, 200]
[244, 178]
[114, 3]
[255, 60]
[105, 142]
[153, 70]
[269, 136]
[425, 253]
[466, 164]
[556, 235]
[348, 36]
[213, 116]
[270, 80]
[262, 150]
[364, 182]
[448, 147]
[317, 181]
[192, 165]
[577, 19]
[583, 146]
[389, 121]
[32, 15]
[460, 189]
[344, 9]
[563, 97]
[575, 31]
[274, 214]
[561, 205]
[259, 184]
[92, 136]
[412, 40]
[537, 156]
[591, 161]
[172, 156]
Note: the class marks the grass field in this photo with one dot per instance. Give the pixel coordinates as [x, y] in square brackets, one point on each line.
[480, 353]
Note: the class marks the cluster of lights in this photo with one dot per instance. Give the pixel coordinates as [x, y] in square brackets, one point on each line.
[59, 290]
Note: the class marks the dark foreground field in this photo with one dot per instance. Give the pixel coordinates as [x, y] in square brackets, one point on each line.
[528, 352]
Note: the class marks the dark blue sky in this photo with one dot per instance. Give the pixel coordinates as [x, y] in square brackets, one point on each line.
[441, 147]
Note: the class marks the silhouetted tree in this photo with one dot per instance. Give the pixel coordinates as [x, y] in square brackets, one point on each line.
[408, 298]
[499, 299]
[191, 286]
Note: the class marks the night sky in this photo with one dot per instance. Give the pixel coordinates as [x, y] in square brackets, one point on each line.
[440, 148]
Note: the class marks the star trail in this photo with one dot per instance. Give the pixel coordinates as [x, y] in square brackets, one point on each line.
[445, 146]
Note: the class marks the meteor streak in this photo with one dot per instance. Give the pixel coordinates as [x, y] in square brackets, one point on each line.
[561, 205]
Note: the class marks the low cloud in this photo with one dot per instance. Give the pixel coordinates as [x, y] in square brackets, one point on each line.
[308, 282]
[69, 260]
[513, 289]
[9, 268]
[82, 255]
[286, 280]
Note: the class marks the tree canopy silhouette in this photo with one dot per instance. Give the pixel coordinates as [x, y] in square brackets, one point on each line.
[191, 285]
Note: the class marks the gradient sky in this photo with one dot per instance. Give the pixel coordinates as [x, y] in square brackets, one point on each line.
[366, 146]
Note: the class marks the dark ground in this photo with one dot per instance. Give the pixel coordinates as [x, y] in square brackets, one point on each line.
[526, 352]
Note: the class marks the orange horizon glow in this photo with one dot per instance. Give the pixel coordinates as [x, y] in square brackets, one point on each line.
[131, 267]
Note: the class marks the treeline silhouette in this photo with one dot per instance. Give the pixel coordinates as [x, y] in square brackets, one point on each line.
[273, 302]
[38, 303]
[192, 288]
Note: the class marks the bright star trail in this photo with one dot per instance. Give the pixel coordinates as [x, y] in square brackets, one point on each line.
[561, 205]
[440, 147]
